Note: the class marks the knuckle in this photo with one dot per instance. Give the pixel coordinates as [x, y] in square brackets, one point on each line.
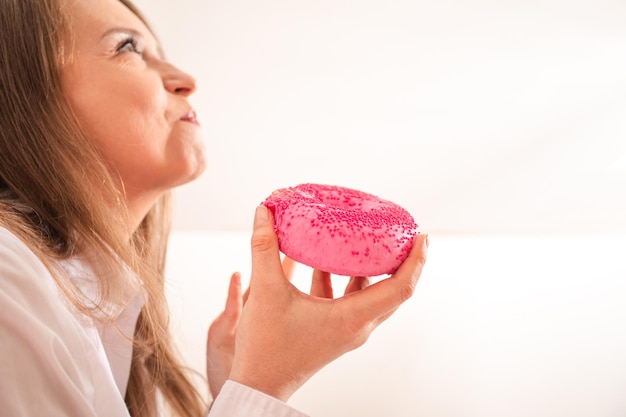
[358, 330]
[358, 337]
[231, 315]
[421, 259]
[407, 291]
[262, 242]
[360, 340]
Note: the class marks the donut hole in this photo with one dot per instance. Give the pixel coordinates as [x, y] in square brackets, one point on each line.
[343, 198]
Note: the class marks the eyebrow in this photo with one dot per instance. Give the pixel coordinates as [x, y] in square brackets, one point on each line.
[121, 30]
[132, 32]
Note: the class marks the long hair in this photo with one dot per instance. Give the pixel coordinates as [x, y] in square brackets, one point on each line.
[48, 197]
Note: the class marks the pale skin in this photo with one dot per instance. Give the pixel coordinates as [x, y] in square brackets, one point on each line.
[221, 337]
[279, 345]
[133, 102]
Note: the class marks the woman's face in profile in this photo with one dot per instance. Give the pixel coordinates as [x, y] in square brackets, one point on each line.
[132, 103]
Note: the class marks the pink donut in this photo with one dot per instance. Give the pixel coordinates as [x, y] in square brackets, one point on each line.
[341, 230]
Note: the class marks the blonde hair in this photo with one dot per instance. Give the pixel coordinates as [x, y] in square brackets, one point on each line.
[47, 171]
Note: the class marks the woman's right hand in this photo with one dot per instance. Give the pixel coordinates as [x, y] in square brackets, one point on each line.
[285, 336]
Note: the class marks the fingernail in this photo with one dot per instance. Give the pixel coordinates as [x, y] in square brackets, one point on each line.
[426, 241]
[260, 215]
[237, 278]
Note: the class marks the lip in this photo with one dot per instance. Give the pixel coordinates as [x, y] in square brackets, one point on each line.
[190, 117]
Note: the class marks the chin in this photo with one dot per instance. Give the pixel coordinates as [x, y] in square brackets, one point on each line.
[194, 169]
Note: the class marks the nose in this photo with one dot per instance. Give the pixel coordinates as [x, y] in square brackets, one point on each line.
[178, 82]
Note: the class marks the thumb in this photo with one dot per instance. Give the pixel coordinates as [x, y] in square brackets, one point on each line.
[266, 265]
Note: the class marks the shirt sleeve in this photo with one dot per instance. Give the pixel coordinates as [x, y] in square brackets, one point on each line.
[237, 400]
[48, 365]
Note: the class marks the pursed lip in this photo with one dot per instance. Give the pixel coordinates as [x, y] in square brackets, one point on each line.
[190, 117]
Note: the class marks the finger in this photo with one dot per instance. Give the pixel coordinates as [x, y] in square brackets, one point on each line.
[234, 301]
[356, 284]
[289, 265]
[321, 285]
[384, 297]
[246, 295]
[266, 266]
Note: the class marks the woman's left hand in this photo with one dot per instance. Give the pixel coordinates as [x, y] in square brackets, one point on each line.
[220, 346]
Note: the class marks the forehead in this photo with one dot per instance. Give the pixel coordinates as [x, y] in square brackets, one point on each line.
[90, 19]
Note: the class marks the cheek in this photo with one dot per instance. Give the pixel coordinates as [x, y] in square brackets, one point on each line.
[131, 108]
[126, 116]
[121, 117]
[116, 95]
[134, 147]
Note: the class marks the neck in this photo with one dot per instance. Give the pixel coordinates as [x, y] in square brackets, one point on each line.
[138, 205]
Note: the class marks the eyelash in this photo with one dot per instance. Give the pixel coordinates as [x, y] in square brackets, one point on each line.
[132, 41]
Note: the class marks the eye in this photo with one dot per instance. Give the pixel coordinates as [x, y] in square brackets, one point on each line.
[129, 44]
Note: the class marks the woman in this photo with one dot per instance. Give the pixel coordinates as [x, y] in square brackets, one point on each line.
[95, 130]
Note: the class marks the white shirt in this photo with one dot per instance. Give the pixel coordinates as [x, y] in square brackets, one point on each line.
[53, 362]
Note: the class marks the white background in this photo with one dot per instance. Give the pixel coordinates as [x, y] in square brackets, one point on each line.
[498, 327]
[500, 125]
[476, 116]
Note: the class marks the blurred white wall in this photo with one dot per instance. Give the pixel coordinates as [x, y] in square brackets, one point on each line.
[498, 327]
[477, 116]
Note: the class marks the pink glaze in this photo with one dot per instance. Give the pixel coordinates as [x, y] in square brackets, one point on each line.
[341, 230]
